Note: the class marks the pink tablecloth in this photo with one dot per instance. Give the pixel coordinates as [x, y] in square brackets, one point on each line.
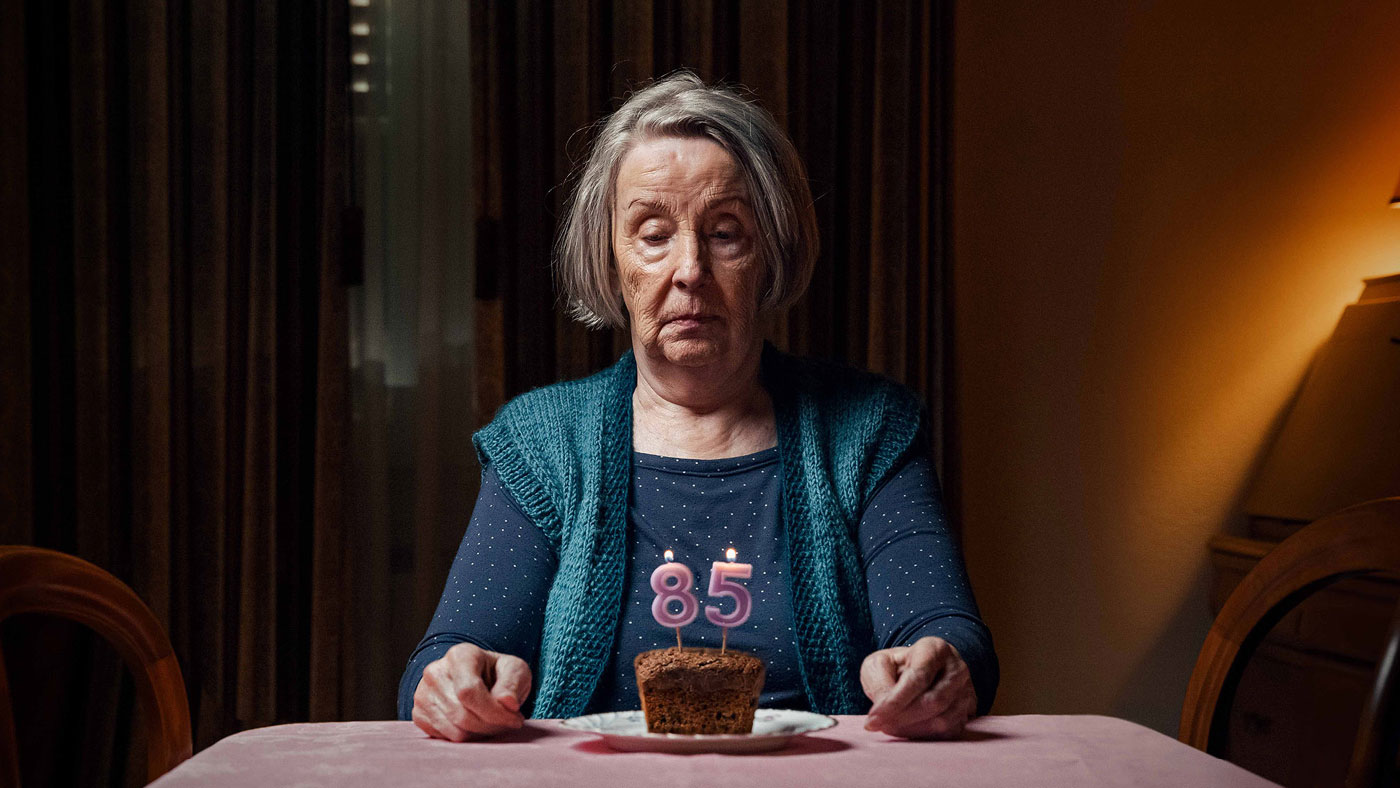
[997, 751]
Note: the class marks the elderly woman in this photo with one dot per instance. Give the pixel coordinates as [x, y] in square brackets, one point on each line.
[690, 224]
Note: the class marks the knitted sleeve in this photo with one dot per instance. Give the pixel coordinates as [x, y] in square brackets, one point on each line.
[502, 447]
[915, 576]
[495, 593]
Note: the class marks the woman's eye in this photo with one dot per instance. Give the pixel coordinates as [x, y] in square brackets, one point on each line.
[727, 235]
[654, 238]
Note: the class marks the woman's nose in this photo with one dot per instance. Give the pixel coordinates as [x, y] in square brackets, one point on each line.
[691, 269]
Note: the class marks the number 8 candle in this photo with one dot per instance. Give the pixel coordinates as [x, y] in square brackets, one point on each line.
[722, 585]
[673, 581]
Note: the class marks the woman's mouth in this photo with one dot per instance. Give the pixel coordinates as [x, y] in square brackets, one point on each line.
[684, 322]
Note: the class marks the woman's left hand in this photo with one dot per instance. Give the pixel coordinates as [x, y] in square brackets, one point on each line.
[923, 691]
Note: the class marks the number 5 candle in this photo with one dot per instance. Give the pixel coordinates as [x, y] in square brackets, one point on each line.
[721, 584]
[673, 581]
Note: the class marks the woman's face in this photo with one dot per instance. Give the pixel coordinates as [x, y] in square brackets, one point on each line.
[683, 239]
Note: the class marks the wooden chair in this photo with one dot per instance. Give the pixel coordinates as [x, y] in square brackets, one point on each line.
[34, 580]
[1355, 541]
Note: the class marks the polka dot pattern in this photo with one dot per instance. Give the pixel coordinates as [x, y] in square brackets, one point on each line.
[496, 592]
[698, 508]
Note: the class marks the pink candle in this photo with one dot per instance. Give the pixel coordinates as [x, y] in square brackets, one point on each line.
[673, 581]
[721, 584]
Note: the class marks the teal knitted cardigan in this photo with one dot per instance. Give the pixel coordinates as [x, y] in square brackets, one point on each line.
[564, 453]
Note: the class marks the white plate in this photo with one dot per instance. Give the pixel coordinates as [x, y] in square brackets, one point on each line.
[772, 730]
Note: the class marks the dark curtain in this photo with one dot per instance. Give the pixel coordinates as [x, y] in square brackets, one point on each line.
[173, 382]
[412, 321]
[469, 121]
[192, 398]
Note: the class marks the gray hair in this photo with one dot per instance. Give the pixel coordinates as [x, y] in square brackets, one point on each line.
[682, 105]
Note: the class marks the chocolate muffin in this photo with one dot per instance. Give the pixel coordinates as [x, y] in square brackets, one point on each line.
[699, 690]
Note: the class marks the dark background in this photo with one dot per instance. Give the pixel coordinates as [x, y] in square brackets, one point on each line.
[1158, 212]
[196, 241]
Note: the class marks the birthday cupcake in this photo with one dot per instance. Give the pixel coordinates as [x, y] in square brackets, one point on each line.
[699, 690]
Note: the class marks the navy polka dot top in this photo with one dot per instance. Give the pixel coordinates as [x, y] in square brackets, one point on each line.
[496, 591]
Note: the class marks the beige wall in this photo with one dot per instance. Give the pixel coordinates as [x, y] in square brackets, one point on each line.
[1159, 213]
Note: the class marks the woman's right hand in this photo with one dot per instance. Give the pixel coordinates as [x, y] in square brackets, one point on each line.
[470, 693]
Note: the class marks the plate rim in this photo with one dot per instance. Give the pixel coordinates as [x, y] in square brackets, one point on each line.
[826, 722]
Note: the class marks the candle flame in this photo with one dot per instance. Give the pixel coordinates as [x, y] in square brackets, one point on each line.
[670, 556]
[731, 553]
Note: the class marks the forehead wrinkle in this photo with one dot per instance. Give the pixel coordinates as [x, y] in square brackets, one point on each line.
[735, 196]
[667, 170]
[652, 203]
[671, 181]
[665, 206]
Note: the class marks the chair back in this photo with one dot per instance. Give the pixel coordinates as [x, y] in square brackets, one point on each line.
[1373, 759]
[35, 580]
[1357, 540]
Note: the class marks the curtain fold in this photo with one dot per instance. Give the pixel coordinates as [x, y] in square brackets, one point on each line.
[416, 325]
[176, 404]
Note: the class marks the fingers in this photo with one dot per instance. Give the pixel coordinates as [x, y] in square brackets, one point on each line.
[880, 671]
[472, 674]
[436, 727]
[941, 712]
[931, 703]
[457, 697]
[512, 685]
[932, 698]
[432, 714]
[919, 668]
[943, 726]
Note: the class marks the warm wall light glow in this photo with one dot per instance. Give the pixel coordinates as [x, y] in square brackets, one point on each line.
[1151, 390]
[360, 3]
[359, 29]
[360, 86]
[360, 58]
